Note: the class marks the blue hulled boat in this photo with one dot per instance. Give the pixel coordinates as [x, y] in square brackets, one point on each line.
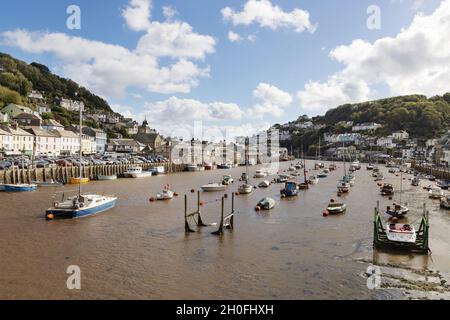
[290, 189]
[80, 206]
[19, 187]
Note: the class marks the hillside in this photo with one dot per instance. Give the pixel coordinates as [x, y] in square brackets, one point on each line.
[18, 79]
[421, 117]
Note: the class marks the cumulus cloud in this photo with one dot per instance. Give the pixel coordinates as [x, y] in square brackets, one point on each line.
[169, 12]
[265, 14]
[109, 69]
[416, 60]
[271, 101]
[233, 36]
[137, 14]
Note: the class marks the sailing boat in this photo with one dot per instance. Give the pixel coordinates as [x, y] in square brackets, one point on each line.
[398, 210]
[318, 165]
[343, 185]
[305, 184]
[81, 205]
[246, 188]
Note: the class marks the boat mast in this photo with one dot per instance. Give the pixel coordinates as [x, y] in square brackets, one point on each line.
[304, 164]
[81, 153]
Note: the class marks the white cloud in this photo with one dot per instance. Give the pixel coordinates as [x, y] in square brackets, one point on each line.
[175, 110]
[110, 70]
[125, 111]
[265, 14]
[137, 14]
[233, 37]
[169, 12]
[416, 60]
[272, 101]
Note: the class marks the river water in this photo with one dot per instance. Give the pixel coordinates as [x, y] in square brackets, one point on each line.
[139, 250]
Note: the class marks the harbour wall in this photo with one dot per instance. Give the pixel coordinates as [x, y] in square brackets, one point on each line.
[439, 173]
[16, 175]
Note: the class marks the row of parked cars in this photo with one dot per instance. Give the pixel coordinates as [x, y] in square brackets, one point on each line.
[46, 162]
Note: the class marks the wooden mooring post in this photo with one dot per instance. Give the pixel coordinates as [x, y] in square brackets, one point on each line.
[192, 215]
[227, 221]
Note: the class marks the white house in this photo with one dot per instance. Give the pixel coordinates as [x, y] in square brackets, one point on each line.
[400, 135]
[88, 145]
[4, 117]
[47, 142]
[20, 142]
[386, 142]
[71, 105]
[42, 108]
[69, 142]
[5, 142]
[366, 126]
[36, 96]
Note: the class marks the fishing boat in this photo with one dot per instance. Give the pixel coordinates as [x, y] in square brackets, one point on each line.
[289, 190]
[81, 205]
[264, 184]
[137, 172]
[282, 178]
[227, 180]
[445, 202]
[260, 174]
[336, 207]
[23, 187]
[313, 180]
[435, 193]
[343, 186]
[165, 194]
[369, 166]
[387, 189]
[400, 232]
[397, 210]
[51, 183]
[101, 177]
[266, 204]
[415, 182]
[78, 180]
[212, 186]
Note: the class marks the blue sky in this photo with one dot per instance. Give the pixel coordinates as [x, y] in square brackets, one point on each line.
[261, 80]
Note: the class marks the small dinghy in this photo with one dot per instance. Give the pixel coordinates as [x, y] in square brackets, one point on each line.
[387, 190]
[260, 174]
[291, 168]
[332, 167]
[336, 207]
[343, 186]
[404, 233]
[322, 174]
[265, 204]
[211, 187]
[282, 178]
[397, 210]
[264, 184]
[369, 167]
[379, 176]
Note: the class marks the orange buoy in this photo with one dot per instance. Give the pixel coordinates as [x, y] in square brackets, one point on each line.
[50, 216]
[257, 208]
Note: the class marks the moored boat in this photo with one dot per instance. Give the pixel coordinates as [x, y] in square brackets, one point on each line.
[51, 183]
[289, 190]
[343, 186]
[82, 205]
[397, 210]
[313, 180]
[212, 186]
[264, 184]
[400, 232]
[265, 204]
[78, 180]
[415, 182]
[445, 202]
[336, 207]
[260, 174]
[23, 187]
[136, 172]
[101, 177]
[166, 194]
[227, 180]
[435, 193]
[322, 174]
[245, 189]
[387, 189]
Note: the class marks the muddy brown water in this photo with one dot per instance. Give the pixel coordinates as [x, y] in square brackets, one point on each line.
[139, 250]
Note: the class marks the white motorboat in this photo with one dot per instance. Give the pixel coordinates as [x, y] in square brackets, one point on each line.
[336, 208]
[356, 165]
[404, 233]
[343, 186]
[136, 172]
[436, 193]
[415, 182]
[245, 189]
[101, 177]
[227, 180]
[264, 184]
[265, 204]
[211, 187]
[81, 205]
[313, 180]
[379, 176]
[260, 174]
[292, 168]
[165, 195]
[397, 210]
[193, 168]
[445, 202]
